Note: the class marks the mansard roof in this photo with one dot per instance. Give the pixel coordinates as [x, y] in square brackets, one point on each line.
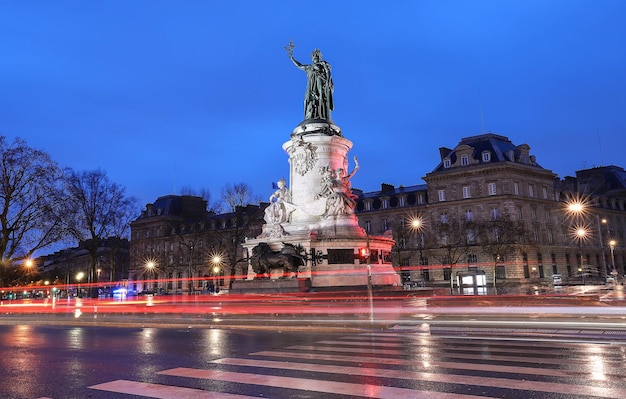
[602, 180]
[180, 206]
[389, 190]
[500, 149]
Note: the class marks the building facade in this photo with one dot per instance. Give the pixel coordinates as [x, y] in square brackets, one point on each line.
[490, 208]
[64, 267]
[178, 246]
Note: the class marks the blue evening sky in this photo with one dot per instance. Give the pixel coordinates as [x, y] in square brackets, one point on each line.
[164, 94]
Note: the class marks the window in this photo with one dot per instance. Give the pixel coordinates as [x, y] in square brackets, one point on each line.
[385, 203]
[531, 191]
[486, 156]
[443, 217]
[402, 201]
[494, 213]
[446, 163]
[466, 192]
[496, 234]
[471, 236]
[525, 265]
[550, 238]
[469, 216]
[515, 188]
[368, 226]
[368, 206]
[491, 188]
[533, 214]
[519, 213]
[442, 195]
[420, 199]
[385, 225]
[464, 160]
[545, 193]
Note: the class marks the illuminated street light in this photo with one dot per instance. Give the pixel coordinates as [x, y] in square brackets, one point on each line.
[576, 207]
[581, 233]
[416, 226]
[216, 260]
[151, 268]
[79, 276]
[612, 244]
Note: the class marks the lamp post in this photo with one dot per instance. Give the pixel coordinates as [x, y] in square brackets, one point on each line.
[151, 268]
[216, 260]
[416, 226]
[577, 209]
[79, 276]
[581, 233]
[612, 244]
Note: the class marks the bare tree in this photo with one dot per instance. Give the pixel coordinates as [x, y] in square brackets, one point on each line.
[501, 239]
[101, 209]
[31, 202]
[205, 193]
[450, 242]
[239, 194]
[244, 222]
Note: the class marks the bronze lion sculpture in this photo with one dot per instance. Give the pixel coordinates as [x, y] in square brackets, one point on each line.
[264, 260]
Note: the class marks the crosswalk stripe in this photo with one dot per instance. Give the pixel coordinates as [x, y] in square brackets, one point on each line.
[431, 364]
[333, 387]
[160, 391]
[451, 351]
[540, 386]
[449, 346]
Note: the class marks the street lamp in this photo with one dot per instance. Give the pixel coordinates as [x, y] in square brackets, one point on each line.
[581, 233]
[612, 244]
[416, 226]
[216, 261]
[151, 268]
[79, 276]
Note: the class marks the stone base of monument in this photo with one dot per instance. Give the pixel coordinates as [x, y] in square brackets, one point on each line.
[337, 262]
[271, 286]
[354, 275]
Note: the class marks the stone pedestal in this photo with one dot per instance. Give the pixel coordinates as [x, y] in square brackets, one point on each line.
[328, 232]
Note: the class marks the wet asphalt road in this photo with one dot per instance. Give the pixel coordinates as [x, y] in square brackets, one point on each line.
[103, 362]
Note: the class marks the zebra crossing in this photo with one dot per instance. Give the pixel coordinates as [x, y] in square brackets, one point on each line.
[397, 365]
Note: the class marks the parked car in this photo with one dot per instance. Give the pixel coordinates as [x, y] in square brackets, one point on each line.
[557, 279]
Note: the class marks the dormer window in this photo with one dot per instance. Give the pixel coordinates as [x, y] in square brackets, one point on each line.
[486, 156]
[446, 163]
[465, 160]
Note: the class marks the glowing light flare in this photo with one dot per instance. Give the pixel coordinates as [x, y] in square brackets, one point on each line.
[580, 232]
[416, 223]
[150, 265]
[577, 207]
